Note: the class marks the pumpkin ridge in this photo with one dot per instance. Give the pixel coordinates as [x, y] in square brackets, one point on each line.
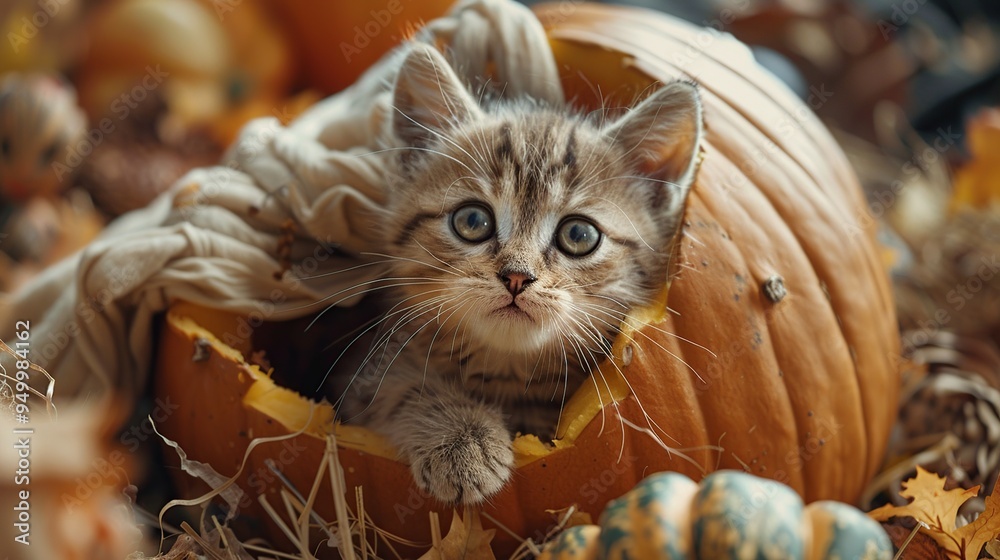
[870, 262]
[813, 255]
[796, 477]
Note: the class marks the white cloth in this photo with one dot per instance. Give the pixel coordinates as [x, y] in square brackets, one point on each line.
[213, 239]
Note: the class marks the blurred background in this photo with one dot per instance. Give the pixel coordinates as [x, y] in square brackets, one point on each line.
[105, 103]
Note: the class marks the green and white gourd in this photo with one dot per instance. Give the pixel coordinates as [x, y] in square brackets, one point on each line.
[730, 515]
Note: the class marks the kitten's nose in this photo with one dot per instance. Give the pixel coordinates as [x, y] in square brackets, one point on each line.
[516, 282]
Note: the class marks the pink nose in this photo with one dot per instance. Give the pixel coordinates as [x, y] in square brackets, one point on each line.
[516, 282]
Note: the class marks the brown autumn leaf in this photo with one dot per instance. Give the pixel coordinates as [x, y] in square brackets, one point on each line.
[993, 548]
[938, 508]
[466, 540]
[984, 529]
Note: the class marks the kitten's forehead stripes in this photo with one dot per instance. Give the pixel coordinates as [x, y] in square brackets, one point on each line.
[410, 226]
[532, 167]
[569, 158]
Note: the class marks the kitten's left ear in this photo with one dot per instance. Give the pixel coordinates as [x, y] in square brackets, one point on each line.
[663, 133]
[429, 98]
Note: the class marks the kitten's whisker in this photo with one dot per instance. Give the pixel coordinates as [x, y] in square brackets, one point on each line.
[343, 270]
[615, 140]
[411, 281]
[381, 344]
[447, 140]
[635, 177]
[614, 313]
[597, 387]
[387, 368]
[630, 222]
[456, 307]
[443, 118]
[611, 299]
[385, 317]
[440, 260]
[652, 423]
[444, 197]
[430, 346]
[417, 261]
[375, 321]
[691, 236]
[657, 344]
[418, 149]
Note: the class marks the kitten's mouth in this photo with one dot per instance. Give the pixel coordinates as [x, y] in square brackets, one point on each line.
[512, 310]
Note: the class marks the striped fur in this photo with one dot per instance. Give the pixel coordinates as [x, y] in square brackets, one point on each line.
[459, 362]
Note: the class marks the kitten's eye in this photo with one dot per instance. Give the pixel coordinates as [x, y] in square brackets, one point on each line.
[473, 223]
[577, 237]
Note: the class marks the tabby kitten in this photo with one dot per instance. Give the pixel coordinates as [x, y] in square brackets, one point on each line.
[519, 235]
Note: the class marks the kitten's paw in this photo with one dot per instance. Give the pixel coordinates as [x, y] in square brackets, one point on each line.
[471, 463]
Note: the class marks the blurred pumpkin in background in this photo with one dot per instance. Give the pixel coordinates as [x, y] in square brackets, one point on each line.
[208, 58]
[169, 85]
[39, 36]
[770, 313]
[338, 41]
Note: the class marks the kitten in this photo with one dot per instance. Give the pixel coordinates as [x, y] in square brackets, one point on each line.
[520, 235]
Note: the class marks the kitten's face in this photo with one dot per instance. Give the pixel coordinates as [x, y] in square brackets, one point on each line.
[523, 228]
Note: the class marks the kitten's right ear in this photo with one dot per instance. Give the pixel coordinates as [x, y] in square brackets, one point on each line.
[662, 135]
[429, 98]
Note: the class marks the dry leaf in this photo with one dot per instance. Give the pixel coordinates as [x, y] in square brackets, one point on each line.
[570, 517]
[466, 540]
[984, 529]
[993, 548]
[938, 508]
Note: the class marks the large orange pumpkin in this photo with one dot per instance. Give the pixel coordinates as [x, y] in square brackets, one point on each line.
[775, 352]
